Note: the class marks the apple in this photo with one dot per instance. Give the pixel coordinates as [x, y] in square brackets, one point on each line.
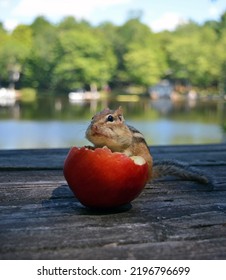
[101, 178]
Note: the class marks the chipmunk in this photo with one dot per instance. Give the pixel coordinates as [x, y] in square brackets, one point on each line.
[108, 128]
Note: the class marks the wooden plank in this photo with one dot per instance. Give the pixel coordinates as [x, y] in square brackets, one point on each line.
[32, 159]
[172, 219]
[54, 158]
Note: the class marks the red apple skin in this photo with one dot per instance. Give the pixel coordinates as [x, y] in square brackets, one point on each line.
[102, 179]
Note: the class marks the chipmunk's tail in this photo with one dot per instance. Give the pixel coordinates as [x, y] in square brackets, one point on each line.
[179, 169]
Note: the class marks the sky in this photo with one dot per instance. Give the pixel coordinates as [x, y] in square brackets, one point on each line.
[158, 14]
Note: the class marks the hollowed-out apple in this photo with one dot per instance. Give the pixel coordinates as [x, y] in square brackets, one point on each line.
[102, 179]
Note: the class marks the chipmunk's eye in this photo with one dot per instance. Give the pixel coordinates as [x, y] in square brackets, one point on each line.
[110, 118]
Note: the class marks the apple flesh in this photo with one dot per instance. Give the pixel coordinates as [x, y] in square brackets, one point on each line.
[100, 178]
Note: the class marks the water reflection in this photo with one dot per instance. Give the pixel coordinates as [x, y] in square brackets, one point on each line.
[50, 121]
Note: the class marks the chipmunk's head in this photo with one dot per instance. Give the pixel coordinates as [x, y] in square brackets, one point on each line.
[108, 128]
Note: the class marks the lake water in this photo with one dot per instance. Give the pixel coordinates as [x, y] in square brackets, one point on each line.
[54, 122]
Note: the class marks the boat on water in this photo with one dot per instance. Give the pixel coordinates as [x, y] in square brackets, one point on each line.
[81, 96]
[7, 97]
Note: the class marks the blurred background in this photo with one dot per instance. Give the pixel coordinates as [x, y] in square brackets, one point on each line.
[164, 62]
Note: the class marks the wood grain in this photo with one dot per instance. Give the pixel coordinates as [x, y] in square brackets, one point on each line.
[172, 219]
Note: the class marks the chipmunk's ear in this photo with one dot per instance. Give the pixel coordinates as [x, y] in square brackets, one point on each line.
[120, 110]
[105, 111]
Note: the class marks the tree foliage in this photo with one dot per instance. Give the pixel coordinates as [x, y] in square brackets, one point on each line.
[83, 58]
[75, 54]
[192, 54]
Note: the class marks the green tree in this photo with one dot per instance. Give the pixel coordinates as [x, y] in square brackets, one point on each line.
[222, 22]
[70, 23]
[85, 57]
[192, 55]
[141, 59]
[220, 59]
[144, 65]
[75, 54]
[40, 65]
[4, 38]
[14, 50]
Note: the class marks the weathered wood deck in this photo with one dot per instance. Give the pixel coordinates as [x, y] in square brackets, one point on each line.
[171, 219]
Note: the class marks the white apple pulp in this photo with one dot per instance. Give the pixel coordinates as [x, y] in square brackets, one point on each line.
[138, 160]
